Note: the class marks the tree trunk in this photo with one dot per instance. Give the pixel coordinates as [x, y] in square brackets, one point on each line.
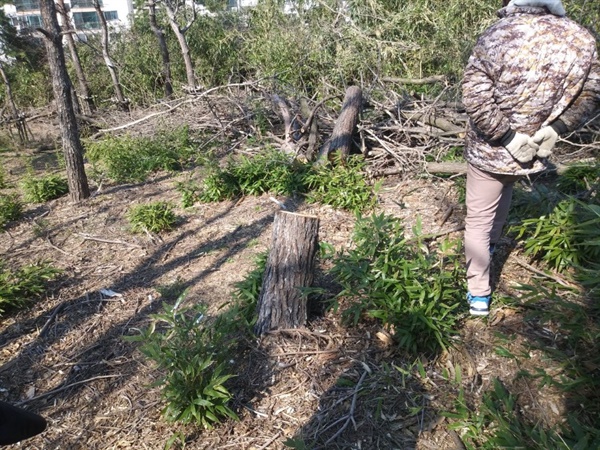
[172, 9]
[122, 102]
[343, 131]
[19, 121]
[313, 129]
[61, 84]
[87, 105]
[164, 50]
[290, 267]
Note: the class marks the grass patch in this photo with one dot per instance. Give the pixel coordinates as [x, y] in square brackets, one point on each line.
[10, 209]
[133, 159]
[152, 217]
[18, 288]
[45, 188]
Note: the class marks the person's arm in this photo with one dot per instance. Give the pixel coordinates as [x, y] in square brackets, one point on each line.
[584, 106]
[478, 98]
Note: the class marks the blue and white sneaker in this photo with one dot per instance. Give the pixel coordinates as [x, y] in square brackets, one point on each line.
[479, 306]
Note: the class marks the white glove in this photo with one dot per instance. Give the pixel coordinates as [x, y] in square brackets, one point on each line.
[522, 148]
[546, 138]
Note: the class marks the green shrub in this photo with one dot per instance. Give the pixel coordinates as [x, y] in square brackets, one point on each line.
[10, 209]
[131, 159]
[19, 287]
[194, 360]
[413, 290]
[343, 186]
[569, 236]
[45, 188]
[153, 217]
[271, 171]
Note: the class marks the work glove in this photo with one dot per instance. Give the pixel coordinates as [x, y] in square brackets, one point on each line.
[520, 146]
[546, 138]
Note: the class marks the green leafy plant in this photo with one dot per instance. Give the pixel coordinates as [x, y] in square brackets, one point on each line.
[19, 287]
[271, 171]
[10, 209]
[153, 217]
[343, 186]
[412, 289]
[578, 179]
[45, 188]
[193, 357]
[568, 236]
[498, 424]
[131, 159]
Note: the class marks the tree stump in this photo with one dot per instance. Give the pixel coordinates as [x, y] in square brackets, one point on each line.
[290, 267]
[343, 131]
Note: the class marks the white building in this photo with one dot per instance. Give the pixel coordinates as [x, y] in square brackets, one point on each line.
[25, 14]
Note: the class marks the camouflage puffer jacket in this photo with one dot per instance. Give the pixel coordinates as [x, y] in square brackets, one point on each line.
[526, 71]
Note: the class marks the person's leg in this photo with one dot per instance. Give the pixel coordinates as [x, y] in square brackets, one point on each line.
[487, 208]
[503, 208]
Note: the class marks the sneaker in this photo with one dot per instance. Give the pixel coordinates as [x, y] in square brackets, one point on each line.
[479, 306]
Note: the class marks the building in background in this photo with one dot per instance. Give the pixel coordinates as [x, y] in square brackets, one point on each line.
[25, 14]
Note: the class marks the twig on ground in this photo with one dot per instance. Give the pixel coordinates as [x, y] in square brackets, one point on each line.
[52, 316]
[553, 277]
[87, 237]
[64, 388]
[350, 416]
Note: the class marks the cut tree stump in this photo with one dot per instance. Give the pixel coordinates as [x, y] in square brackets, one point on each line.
[290, 267]
[345, 126]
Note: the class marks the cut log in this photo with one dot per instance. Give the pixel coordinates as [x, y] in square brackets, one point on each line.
[290, 267]
[343, 131]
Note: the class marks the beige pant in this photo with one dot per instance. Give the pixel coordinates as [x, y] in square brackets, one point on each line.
[488, 201]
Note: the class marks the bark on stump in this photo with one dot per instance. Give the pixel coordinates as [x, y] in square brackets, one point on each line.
[343, 131]
[289, 268]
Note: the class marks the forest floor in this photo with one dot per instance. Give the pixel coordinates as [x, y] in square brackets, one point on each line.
[65, 357]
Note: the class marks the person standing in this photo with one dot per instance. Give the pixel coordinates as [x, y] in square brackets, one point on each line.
[533, 76]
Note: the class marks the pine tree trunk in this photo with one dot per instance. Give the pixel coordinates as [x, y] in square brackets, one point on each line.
[19, 122]
[61, 84]
[87, 106]
[343, 131]
[290, 267]
[121, 101]
[164, 50]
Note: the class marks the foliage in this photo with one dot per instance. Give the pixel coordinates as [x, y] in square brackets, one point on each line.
[271, 171]
[193, 357]
[152, 217]
[498, 424]
[568, 236]
[130, 159]
[342, 186]
[44, 188]
[579, 179]
[247, 291]
[413, 290]
[19, 287]
[10, 209]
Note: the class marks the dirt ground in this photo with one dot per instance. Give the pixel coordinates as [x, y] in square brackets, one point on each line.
[65, 357]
